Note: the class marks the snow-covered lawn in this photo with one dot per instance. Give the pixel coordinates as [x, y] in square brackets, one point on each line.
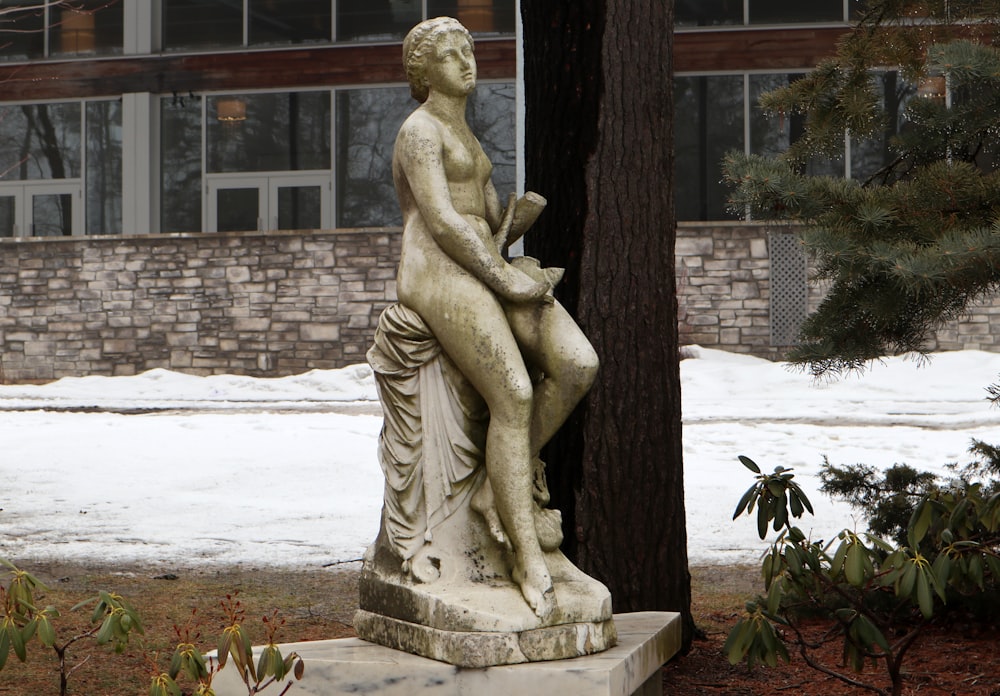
[175, 469]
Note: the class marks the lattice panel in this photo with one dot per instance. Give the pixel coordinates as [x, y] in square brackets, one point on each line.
[789, 288]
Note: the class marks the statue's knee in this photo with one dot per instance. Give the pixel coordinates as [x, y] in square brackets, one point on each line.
[585, 368]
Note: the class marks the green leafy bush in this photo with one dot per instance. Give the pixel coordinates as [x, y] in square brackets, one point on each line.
[876, 594]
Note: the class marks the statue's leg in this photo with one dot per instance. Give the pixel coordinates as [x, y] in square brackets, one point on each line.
[553, 343]
[472, 329]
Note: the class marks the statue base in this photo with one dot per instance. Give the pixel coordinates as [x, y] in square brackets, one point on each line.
[353, 666]
[472, 614]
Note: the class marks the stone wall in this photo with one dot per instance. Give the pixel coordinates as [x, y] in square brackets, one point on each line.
[280, 303]
[724, 287]
[257, 304]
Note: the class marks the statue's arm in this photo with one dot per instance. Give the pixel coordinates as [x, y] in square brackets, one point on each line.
[419, 152]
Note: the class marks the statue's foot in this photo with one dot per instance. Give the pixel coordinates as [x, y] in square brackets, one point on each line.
[536, 586]
[423, 567]
[483, 503]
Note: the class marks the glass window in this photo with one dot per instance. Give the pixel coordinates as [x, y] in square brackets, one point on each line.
[790, 11]
[708, 123]
[201, 24]
[89, 27]
[367, 123]
[771, 135]
[22, 30]
[478, 16]
[701, 13]
[491, 116]
[376, 21]
[180, 161]
[871, 154]
[40, 141]
[288, 22]
[104, 167]
[287, 131]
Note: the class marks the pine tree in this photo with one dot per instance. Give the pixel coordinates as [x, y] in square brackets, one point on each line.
[916, 242]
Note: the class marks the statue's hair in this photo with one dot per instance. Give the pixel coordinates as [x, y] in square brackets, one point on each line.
[417, 45]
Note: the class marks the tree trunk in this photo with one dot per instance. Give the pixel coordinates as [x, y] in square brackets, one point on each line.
[599, 146]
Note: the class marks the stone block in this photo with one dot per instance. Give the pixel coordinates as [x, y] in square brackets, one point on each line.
[694, 246]
[319, 332]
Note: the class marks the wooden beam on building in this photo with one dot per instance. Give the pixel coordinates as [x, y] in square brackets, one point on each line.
[295, 68]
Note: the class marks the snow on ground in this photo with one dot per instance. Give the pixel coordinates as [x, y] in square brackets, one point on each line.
[172, 469]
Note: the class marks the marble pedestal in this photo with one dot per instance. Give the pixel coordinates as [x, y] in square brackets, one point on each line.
[646, 640]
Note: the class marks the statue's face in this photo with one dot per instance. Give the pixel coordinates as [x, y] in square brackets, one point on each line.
[451, 68]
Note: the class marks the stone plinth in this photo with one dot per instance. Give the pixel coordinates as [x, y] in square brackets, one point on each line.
[646, 640]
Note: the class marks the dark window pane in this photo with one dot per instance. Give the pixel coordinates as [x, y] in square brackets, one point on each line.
[788, 11]
[367, 123]
[708, 123]
[491, 115]
[771, 135]
[22, 31]
[478, 16]
[288, 131]
[40, 141]
[870, 155]
[299, 208]
[8, 216]
[702, 13]
[104, 167]
[180, 157]
[194, 24]
[52, 215]
[289, 21]
[374, 20]
[91, 27]
[238, 209]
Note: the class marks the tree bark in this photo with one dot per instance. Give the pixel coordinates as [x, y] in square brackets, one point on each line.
[599, 146]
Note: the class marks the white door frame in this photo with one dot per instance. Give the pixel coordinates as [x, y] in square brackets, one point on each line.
[267, 185]
[24, 192]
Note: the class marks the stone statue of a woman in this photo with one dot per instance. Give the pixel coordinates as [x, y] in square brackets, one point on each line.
[500, 339]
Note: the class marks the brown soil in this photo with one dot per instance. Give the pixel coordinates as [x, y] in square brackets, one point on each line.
[960, 658]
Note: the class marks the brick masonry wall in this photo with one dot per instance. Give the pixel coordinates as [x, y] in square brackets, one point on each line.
[724, 295]
[256, 304]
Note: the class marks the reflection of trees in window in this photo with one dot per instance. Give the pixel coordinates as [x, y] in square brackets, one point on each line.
[104, 168]
[288, 131]
[288, 21]
[491, 117]
[22, 34]
[79, 27]
[771, 135]
[870, 155]
[708, 122]
[180, 168]
[367, 122]
[40, 141]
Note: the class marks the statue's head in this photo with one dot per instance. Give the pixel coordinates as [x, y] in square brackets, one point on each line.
[419, 43]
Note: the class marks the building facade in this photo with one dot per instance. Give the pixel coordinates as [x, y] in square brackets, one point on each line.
[205, 184]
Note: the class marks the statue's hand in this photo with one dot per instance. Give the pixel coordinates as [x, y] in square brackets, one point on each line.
[520, 287]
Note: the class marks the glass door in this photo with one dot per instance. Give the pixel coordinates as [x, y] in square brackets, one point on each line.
[41, 210]
[273, 202]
